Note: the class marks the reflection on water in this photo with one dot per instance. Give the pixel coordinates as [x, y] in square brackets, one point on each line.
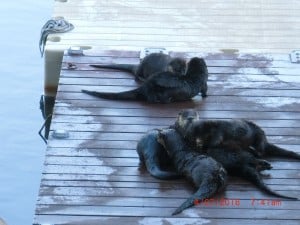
[21, 149]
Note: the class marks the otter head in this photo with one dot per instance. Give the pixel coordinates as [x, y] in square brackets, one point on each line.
[202, 134]
[161, 138]
[166, 138]
[196, 66]
[178, 66]
[185, 119]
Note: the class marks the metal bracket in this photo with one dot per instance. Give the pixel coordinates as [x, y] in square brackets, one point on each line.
[46, 122]
[75, 50]
[60, 134]
[148, 51]
[295, 56]
[46, 106]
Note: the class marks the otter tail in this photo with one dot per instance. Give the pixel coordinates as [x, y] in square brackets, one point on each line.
[126, 95]
[253, 176]
[205, 191]
[274, 150]
[123, 67]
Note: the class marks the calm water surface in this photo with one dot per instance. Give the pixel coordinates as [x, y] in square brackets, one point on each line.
[21, 76]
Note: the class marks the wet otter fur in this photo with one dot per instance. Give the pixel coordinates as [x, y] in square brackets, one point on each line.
[211, 133]
[237, 161]
[151, 64]
[153, 155]
[166, 87]
[242, 163]
[207, 174]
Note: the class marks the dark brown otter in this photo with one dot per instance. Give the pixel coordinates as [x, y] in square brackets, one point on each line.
[211, 133]
[151, 64]
[166, 87]
[244, 164]
[207, 174]
[236, 160]
[155, 157]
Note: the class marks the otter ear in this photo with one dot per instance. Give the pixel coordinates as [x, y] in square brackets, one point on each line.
[163, 132]
[160, 137]
[160, 132]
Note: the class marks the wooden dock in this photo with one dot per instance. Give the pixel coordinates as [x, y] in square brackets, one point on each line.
[94, 176]
[251, 26]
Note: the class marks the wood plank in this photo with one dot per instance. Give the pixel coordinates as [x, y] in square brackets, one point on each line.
[95, 220]
[78, 119]
[234, 183]
[217, 103]
[112, 193]
[270, 102]
[189, 37]
[148, 211]
[136, 170]
[225, 81]
[180, 45]
[134, 161]
[148, 179]
[150, 29]
[246, 4]
[235, 80]
[116, 56]
[160, 12]
[97, 136]
[137, 128]
[116, 144]
[293, 71]
[151, 202]
[158, 111]
[85, 152]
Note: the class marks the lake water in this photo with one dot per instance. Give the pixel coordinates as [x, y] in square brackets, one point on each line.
[21, 75]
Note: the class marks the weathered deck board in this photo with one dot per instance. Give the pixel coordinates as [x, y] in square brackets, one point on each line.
[94, 176]
[91, 220]
[192, 25]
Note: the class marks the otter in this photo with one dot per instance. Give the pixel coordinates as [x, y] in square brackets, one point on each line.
[207, 174]
[237, 161]
[151, 64]
[242, 163]
[212, 133]
[166, 87]
[185, 119]
[153, 155]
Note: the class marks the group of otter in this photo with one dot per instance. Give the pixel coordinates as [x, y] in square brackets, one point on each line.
[165, 79]
[203, 151]
[206, 151]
